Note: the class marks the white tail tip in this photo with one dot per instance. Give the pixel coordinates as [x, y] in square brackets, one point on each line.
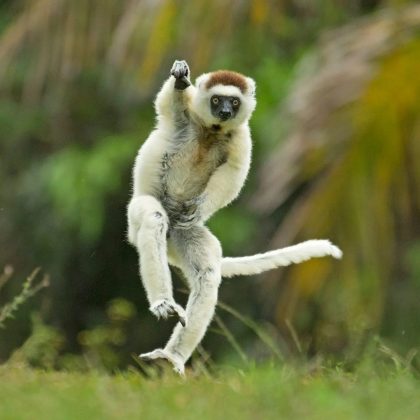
[336, 252]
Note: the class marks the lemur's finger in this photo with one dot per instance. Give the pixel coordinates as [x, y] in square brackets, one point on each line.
[178, 312]
[181, 319]
[186, 68]
[181, 71]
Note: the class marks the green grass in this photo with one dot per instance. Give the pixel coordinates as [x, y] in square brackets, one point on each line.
[267, 392]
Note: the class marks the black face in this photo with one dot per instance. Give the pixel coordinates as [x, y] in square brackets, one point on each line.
[224, 107]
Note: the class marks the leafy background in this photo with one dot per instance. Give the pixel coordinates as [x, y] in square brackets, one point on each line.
[336, 139]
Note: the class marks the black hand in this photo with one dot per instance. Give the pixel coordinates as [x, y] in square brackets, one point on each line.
[181, 71]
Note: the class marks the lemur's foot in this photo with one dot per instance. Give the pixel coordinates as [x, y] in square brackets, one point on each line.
[181, 71]
[165, 308]
[160, 354]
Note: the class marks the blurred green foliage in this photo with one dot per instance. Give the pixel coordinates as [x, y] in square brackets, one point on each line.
[79, 181]
[102, 347]
[77, 82]
[361, 187]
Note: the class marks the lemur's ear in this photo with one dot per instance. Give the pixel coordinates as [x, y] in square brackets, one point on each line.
[201, 80]
[251, 86]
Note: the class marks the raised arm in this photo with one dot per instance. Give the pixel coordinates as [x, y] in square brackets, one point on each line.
[173, 100]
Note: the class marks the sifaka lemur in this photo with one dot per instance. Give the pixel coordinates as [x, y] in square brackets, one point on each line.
[193, 163]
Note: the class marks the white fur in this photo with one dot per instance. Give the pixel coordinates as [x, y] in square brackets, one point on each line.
[185, 160]
[259, 263]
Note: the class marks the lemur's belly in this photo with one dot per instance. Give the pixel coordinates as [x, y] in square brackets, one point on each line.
[189, 169]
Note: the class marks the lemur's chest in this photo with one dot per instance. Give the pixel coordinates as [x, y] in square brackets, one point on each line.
[187, 168]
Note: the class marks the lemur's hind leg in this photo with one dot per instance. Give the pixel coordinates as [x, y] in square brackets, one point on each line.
[198, 254]
[147, 228]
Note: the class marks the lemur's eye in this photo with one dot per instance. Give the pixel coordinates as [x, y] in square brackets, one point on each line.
[215, 100]
[235, 102]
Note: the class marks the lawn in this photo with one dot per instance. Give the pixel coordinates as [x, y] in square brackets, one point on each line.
[264, 392]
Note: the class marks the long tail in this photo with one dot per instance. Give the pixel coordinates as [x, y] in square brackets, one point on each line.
[259, 263]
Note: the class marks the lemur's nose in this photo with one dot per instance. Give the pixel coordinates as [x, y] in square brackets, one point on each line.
[225, 115]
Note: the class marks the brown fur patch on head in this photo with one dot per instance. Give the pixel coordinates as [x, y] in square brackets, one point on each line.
[227, 78]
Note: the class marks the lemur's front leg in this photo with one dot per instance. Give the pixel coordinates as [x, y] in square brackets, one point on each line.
[173, 99]
[180, 71]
